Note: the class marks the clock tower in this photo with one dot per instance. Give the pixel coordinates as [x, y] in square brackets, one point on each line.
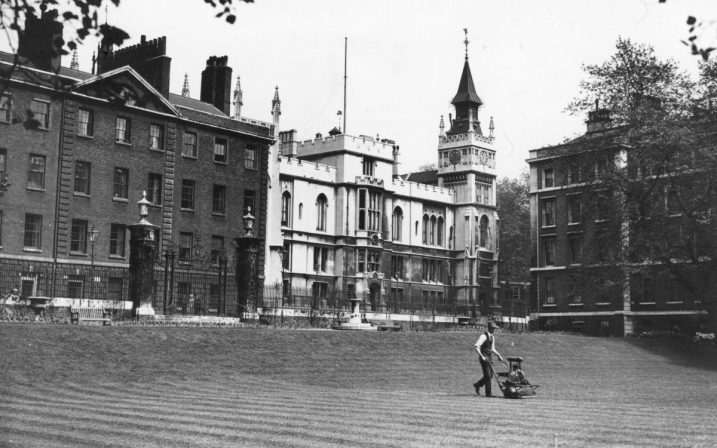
[466, 164]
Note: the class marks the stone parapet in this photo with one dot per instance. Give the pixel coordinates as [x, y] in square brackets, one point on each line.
[364, 145]
[308, 170]
[423, 191]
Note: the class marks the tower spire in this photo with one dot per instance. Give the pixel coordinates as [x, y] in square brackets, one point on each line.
[238, 99]
[276, 106]
[74, 64]
[466, 101]
[466, 42]
[185, 87]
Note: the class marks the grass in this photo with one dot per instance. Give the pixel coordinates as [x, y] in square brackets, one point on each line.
[77, 386]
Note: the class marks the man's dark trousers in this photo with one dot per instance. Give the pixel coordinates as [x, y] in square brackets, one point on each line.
[486, 380]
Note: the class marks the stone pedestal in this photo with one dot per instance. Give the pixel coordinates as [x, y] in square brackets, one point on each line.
[355, 322]
[142, 254]
[247, 274]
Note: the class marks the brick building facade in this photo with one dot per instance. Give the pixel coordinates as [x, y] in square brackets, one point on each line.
[589, 269]
[79, 149]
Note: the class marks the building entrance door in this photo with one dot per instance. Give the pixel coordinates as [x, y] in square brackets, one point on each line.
[374, 296]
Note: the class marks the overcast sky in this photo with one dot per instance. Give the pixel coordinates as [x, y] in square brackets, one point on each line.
[405, 59]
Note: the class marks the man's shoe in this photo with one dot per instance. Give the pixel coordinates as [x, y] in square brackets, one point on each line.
[477, 388]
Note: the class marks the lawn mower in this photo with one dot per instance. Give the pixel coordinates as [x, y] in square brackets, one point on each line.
[513, 383]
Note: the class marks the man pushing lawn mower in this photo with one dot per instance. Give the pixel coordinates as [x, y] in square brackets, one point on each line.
[513, 384]
[485, 347]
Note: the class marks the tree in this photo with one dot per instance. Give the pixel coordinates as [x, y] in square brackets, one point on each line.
[427, 167]
[652, 169]
[82, 17]
[514, 212]
[696, 29]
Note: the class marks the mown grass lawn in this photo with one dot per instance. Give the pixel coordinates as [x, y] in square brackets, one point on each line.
[73, 386]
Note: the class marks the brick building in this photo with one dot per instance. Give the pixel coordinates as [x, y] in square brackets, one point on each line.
[590, 270]
[78, 150]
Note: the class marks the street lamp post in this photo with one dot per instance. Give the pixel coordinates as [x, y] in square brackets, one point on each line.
[247, 254]
[92, 235]
[143, 248]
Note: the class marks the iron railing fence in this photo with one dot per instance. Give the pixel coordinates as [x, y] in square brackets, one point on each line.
[206, 289]
[338, 300]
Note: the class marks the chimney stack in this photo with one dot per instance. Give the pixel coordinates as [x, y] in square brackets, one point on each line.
[216, 84]
[148, 58]
[395, 160]
[598, 120]
[289, 144]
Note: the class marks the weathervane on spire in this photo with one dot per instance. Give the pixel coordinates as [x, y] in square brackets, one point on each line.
[466, 41]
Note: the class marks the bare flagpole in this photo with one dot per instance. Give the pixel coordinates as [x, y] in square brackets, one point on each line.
[346, 39]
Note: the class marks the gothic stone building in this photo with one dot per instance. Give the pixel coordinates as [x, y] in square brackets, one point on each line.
[350, 226]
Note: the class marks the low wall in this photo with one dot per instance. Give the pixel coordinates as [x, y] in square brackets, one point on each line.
[23, 313]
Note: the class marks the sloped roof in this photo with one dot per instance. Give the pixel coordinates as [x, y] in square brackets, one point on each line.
[65, 72]
[179, 105]
[223, 121]
[466, 89]
[77, 74]
[424, 177]
[191, 103]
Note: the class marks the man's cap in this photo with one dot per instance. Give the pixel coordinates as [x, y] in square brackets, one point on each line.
[492, 325]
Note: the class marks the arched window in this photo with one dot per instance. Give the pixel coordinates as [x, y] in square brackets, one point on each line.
[397, 224]
[439, 236]
[425, 229]
[450, 237]
[285, 209]
[476, 233]
[432, 240]
[301, 210]
[484, 237]
[321, 206]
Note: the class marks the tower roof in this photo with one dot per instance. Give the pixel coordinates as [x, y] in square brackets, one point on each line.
[466, 89]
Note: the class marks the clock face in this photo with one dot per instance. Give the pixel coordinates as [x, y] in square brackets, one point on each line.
[483, 158]
[454, 157]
